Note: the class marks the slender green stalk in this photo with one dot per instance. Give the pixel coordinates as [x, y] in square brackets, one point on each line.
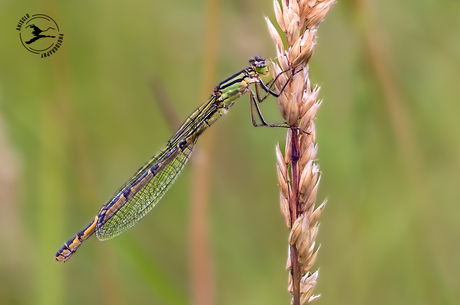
[200, 255]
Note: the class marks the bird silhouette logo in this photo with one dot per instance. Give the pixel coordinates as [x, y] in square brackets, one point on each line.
[40, 34]
[37, 32]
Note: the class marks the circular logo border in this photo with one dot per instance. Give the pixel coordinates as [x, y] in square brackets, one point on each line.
[55, 44]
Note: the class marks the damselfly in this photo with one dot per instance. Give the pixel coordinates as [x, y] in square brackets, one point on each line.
[143, 191]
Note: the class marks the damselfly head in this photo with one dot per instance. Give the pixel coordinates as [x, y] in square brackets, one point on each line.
[259, 65]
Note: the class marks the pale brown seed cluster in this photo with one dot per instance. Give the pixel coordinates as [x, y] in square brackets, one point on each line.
[298, 173]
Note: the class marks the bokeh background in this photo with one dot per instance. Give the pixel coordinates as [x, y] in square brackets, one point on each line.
[76, 125]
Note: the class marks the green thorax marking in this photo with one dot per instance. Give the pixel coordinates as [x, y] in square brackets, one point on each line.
[238, 84]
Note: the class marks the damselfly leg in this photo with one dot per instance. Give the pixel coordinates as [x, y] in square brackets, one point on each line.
[256, 99]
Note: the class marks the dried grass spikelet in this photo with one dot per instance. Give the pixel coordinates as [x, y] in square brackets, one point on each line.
[298, 172]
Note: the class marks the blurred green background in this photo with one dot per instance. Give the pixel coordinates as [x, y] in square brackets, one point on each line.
[76, 125]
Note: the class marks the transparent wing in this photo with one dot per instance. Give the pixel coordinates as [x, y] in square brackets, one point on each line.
[149, 189]
[143, 191]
